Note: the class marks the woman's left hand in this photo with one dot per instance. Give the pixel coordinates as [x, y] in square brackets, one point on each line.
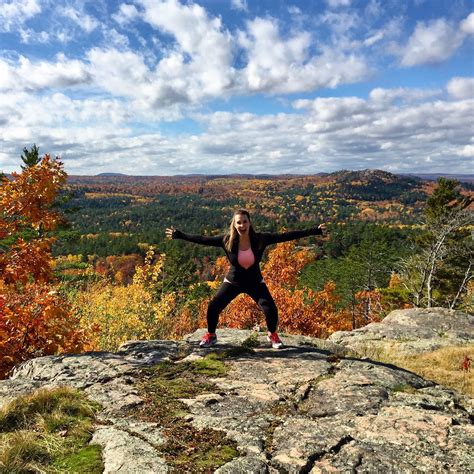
[170, 232]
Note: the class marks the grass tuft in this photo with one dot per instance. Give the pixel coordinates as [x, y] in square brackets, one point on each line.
[42, 430]
[23, 451]
[22, 412]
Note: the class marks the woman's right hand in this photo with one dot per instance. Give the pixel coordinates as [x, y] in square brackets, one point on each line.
[169, 232]
[323, 229]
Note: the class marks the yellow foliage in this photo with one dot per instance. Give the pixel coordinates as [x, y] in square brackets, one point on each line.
[151, 271]
[66, 259]
[214, 284]
[123, 313]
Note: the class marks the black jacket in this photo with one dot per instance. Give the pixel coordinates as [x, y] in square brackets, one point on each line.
[237, 274]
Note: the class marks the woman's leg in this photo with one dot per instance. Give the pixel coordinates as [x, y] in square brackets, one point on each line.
[261, 295]
[226, 293]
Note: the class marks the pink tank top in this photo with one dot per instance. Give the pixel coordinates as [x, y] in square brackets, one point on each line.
[246, 258]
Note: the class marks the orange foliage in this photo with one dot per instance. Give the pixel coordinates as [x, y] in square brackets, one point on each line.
[34, 323]
[28, 197]
[121, 268]
[188, 321]
[221, 267]
[285, 264]
[26, 261]
[34, 320]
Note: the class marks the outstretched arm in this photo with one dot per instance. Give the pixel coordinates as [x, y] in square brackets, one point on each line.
[275, 238]
[214, 241]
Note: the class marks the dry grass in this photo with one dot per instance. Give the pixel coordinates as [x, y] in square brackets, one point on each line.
[49, 431]
[443, 366]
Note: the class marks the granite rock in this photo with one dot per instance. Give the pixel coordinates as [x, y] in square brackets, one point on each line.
[309, 407]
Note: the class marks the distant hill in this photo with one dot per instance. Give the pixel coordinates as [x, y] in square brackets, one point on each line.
[376, 185]
[463, 178]
[371, 176]
[364, 185]
[367, 174]
[111, 174]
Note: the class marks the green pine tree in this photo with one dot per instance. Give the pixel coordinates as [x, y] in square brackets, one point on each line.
[30, 157]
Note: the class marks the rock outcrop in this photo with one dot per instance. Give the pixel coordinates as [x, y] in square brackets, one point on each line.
[310, 407]
[412, 331]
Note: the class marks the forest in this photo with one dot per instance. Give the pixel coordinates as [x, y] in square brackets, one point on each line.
[84, 263]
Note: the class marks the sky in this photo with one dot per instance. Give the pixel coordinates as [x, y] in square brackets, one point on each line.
[168, 87]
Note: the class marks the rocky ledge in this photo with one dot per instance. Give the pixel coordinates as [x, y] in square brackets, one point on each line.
[412, 331]
[310, 407]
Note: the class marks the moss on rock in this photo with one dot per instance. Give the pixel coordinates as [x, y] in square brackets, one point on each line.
[187, 449]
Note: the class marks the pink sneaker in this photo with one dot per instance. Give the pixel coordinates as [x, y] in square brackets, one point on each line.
[275, 340]
[208, 340]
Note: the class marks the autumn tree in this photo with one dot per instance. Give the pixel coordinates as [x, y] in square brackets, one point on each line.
[34, 319]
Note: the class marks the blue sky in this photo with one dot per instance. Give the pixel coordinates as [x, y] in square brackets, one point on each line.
[165, 87]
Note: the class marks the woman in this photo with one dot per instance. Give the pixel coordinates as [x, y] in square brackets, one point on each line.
[244, 248]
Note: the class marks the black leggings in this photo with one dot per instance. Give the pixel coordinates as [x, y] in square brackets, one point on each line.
[227, 292]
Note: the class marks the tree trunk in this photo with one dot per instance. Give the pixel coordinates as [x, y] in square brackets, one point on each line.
[467, 278]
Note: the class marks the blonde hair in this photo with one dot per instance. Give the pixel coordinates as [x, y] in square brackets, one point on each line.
[233, 235]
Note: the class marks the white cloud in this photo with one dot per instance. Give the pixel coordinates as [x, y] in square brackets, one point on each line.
[35, 76]
[188, 74]
[284, 66]
[461, 87]
[431, 43]
[122, 73]
[390, 30]
[239, 5]
[394, 129]
[467, 151]
[295, 11]
[185, 73]
[64, 35]
[406, 95]
[402, 132]
[204, 74]
[435, 41]
[126, 14]
[87, 22]
[194, 31]
[467, 25]
[374, 8]
[113, 37]
[375, 38]
[29, 35]
[338, 3]
[16, 12]
[344, 132]
[341, 23]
